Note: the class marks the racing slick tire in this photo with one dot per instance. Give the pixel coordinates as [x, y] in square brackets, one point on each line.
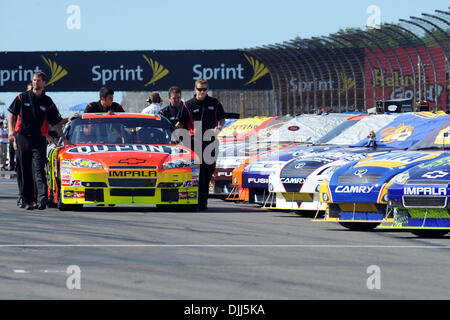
[360, 226]
[426, 233]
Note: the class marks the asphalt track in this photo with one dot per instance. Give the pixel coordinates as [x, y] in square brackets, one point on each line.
[232, 252]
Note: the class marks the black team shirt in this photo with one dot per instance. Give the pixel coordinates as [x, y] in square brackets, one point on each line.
[34, 113]
[209, 112]
[96, 107]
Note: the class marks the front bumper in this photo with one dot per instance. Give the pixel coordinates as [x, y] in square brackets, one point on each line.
[150, 187]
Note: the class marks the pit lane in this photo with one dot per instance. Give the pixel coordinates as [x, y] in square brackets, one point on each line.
[233, 251]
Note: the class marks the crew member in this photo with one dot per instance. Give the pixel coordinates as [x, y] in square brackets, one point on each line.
[207, 113]
[105, 104]
[172, 110]
[31, 113]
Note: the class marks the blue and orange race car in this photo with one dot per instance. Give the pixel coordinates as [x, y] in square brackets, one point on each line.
[122, 158]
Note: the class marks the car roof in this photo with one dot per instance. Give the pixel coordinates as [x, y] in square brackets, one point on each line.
[109, 115]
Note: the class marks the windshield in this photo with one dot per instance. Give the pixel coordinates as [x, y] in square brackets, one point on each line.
[119, 131]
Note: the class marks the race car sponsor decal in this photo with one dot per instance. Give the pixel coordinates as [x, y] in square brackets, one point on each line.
[444, 162]
[79, 194]
[132, 173]
[354, 189]
[194, 183]
[126, 148]
[75, 183]
[401, 158]
[192, 195]
[293, 180]
[425, 191]
[66, 170]
[66, 177]
[225, 174]
[182, 195]
[360, 172]
[400, 133]
[65, 182]
[258, 180]
[442, 137]
[435, 174]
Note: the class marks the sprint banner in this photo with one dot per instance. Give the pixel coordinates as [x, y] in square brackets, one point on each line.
[134, 70]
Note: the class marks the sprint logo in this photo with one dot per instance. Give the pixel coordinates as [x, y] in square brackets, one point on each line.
[159, 71]
[225, 72]
[347, 82]
[259, 69]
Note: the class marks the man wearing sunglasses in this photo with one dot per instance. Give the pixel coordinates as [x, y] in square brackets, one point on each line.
[207, 113]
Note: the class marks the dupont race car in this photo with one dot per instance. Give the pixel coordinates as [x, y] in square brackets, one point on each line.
[356, 194]
[122, 158]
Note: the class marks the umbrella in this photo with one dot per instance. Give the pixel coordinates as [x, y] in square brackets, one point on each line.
[78, 107]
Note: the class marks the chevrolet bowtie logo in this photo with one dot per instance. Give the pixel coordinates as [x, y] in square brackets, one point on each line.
[132, 161]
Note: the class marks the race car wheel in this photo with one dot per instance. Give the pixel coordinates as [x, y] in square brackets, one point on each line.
[360, 226]
[429, 233]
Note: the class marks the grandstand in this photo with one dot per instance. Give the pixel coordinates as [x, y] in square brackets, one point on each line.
[351, 69]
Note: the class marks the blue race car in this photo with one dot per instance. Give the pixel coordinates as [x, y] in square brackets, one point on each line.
[357, 193]
[420, 198]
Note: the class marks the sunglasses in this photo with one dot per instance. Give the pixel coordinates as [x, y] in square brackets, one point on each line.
[202, 89]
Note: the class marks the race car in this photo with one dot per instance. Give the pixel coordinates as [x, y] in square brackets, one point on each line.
[122, 158]
[356, 193]
[295, 186]
[302, 129]
[232, 151]
[256, 174]
[420, 196]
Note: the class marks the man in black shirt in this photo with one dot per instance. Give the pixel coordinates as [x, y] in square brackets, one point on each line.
[31, 114]
[207, 113]
[105, 104]
[172, 110]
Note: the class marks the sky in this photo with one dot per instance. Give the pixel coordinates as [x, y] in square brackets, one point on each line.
[65, 25]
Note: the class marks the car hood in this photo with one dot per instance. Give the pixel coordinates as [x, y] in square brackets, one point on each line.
[127, 155]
